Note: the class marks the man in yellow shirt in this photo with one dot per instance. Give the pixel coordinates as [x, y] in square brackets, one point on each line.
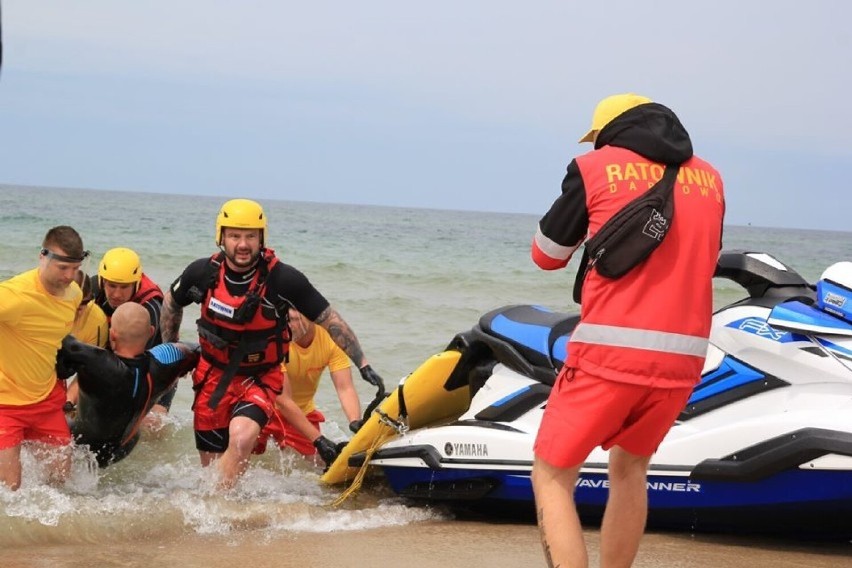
[311, 350]
[37, 310]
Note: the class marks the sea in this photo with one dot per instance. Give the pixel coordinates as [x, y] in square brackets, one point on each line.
[406, 280]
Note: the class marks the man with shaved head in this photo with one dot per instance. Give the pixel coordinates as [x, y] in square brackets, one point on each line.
[119, 387]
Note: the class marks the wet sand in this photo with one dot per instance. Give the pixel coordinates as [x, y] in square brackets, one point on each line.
[437, 544]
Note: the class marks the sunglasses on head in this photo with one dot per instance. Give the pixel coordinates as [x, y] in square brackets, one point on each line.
[62, 258]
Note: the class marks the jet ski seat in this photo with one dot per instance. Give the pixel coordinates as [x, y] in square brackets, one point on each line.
[529, 339]
[765, 278]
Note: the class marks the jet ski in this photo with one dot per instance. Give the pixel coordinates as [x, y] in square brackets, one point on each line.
[764, 444]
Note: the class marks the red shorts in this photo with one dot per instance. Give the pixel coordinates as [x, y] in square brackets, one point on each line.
[43, 421]
[286, 435]
[245, 396]
[585, 411]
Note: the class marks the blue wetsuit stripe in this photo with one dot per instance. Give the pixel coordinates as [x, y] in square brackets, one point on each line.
[166, 353]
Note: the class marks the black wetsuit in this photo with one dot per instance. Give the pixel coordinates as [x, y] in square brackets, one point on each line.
[117, 392]
[153, 302]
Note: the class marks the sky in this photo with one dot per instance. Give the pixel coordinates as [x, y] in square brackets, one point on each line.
[463, 104]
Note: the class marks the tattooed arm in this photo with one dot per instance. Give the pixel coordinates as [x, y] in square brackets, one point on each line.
[342, 335]
[170, 318]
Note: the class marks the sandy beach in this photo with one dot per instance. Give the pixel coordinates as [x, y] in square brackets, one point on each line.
[437, 544]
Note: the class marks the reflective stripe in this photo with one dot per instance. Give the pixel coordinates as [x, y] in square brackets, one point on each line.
[552, 248]
[664, 341]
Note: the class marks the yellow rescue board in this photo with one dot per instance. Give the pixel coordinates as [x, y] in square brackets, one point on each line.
[426, 401]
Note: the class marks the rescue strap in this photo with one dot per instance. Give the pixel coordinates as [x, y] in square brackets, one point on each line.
[393, 428]
[401, 422]
[383, 436]
[229, 372]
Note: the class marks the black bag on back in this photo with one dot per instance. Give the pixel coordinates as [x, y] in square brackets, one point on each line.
[630, 235]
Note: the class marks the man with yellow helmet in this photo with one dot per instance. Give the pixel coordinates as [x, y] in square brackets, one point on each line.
[121, 280]
[245, 293]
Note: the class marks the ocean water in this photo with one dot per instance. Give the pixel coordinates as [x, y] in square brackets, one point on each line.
[406, 280]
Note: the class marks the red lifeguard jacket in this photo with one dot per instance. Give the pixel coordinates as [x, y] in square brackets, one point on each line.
[650, 326]
[146, 290]
[245, 333]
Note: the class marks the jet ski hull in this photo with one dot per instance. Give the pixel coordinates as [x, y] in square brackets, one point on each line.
[764, 444]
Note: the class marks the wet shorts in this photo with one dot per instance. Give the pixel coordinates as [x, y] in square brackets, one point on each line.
[585, 411]
[246, 396]
[286, 435]
[43, 421]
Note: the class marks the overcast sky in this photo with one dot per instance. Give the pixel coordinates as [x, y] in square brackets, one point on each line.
[463, 104]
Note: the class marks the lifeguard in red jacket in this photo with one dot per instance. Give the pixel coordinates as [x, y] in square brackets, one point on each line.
[642, 338]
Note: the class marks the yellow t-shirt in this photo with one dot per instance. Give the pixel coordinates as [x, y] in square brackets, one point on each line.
[92, 326]
[306, 365]
[32, 325]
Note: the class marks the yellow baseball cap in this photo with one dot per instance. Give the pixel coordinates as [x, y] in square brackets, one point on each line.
[609, 108]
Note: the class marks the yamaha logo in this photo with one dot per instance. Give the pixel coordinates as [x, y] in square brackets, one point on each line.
[477, 450]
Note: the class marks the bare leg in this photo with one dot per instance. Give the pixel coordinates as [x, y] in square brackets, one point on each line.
[626, 508]
[73, 392]
[154, 422]
[208, 457]
[558, 522]
[10, 467]
[242, 436]
[56, 459]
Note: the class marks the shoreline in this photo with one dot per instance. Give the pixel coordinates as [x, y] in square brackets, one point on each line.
[431, 544]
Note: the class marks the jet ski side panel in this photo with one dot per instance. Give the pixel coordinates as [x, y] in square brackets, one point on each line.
[426, 401]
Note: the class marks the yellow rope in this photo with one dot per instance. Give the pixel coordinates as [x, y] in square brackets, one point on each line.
[358, 480]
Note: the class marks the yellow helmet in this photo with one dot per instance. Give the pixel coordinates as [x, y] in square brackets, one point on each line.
[241, 214]
[120, 265]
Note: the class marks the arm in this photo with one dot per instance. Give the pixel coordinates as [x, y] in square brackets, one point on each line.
[182, 292]
[342, 335]
[170, 318]
[178, 357]
[10, 305]
[305, 298]
[96, 368]
[347, 394]
[291, 412]
[345, 338]
[564, 227]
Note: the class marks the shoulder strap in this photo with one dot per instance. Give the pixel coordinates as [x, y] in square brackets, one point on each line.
[610, 231]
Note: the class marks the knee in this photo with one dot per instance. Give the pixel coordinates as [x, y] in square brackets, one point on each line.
[623, 465]
[243, 438]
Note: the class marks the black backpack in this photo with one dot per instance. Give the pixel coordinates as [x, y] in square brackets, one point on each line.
[631, 235]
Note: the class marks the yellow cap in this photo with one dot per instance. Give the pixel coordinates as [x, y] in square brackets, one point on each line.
[611, 107]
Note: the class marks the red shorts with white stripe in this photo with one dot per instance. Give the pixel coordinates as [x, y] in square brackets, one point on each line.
[253, 397]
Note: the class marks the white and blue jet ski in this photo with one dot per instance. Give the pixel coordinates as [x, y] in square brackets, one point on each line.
[763, 446]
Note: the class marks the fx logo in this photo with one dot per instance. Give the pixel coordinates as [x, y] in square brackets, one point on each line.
[761, 328]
